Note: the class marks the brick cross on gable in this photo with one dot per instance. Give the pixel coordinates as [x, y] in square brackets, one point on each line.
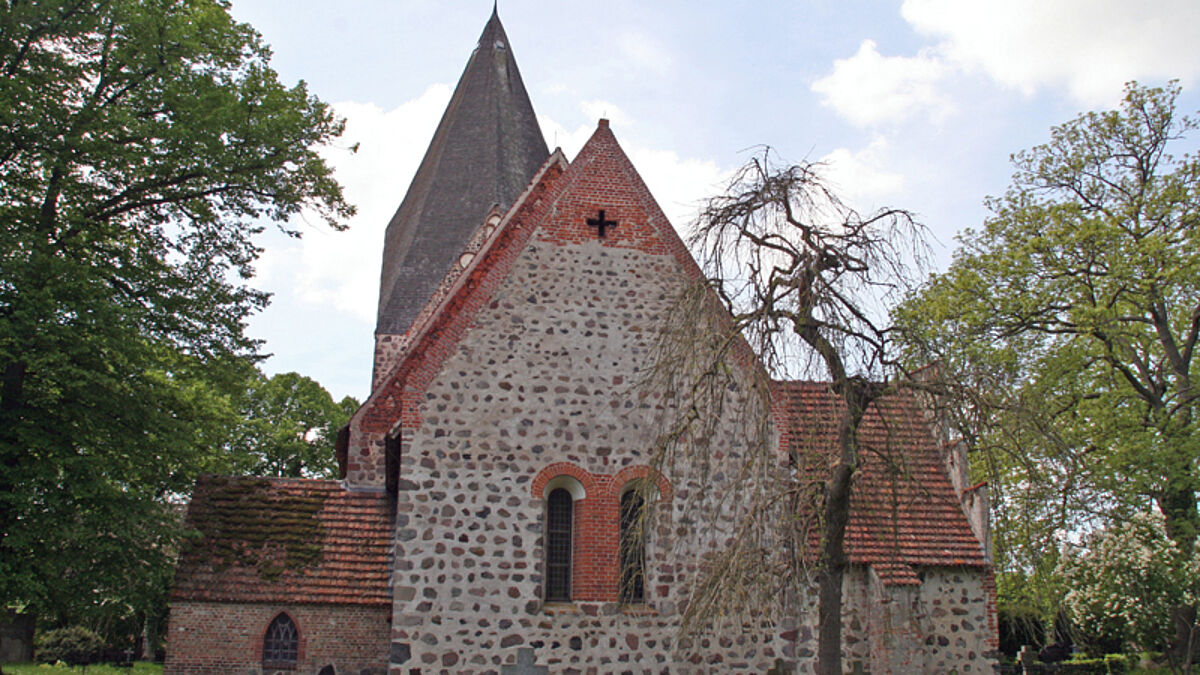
[525, 661]
[600, 223]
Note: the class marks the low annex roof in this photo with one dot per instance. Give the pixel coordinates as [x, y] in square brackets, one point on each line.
[285, 540]
[904, 510]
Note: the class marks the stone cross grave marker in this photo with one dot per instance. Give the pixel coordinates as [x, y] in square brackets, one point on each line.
[525, 662]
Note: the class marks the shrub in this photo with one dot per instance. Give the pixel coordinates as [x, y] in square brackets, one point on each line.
[1124, 586]
[74, 645]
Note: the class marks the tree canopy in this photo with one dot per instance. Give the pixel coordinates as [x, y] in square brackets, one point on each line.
[142, 143]
[289, 425]
[1070, 321]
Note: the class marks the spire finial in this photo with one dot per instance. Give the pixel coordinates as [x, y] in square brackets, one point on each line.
[495, 9]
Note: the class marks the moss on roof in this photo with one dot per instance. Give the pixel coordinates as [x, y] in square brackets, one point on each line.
[244, 522]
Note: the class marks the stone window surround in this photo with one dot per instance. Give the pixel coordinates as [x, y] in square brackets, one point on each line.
[595, 576]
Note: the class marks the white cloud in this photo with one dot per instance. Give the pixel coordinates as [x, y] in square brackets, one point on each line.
[869, 88]
[860, 177]
[570, 140]
[678, 184]
[341, 269]
[1092, 47]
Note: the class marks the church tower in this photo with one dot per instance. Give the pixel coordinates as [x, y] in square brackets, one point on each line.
[486, 148]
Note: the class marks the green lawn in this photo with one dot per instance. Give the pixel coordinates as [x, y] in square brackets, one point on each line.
[139, 668]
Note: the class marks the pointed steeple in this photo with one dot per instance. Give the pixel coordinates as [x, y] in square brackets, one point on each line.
[484, 152]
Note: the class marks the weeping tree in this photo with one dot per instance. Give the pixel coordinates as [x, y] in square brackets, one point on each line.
[795, 284]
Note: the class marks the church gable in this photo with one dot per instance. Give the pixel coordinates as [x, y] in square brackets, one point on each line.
[602, 179]
[523, 426]
[554, 229]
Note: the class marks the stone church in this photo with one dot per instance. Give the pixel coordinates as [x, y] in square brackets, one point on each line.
[482, 522]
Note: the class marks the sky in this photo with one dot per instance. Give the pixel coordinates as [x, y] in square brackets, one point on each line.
[916, 104]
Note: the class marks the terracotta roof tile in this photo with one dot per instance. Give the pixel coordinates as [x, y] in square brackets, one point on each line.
[285, 540]
[904, 510]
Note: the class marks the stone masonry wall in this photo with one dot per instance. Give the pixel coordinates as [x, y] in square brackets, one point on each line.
[960, 607]
[228, 638]
[547, 376]
[943, 625]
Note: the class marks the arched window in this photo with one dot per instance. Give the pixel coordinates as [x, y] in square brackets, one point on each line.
[633, 548]
[559, 524]
[281, 645]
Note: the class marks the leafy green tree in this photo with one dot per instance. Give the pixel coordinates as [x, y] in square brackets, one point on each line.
[141, 144]
[289, 428]
[1070, 323]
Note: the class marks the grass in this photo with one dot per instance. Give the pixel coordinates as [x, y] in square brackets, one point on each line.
[139, 668]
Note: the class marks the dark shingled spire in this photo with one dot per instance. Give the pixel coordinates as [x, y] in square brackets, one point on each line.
[486, 148]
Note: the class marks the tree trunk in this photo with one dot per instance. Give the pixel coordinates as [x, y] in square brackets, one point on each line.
[11, 398]
[833, 570]
[1178, 505]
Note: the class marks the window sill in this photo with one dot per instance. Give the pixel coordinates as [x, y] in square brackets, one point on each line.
[639, 609]
[270, 666]
[561, 608]
[591, 608]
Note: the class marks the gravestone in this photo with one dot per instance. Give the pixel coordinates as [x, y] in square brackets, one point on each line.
[1027, 657]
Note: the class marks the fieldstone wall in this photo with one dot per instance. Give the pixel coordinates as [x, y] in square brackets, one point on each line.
[961, 612]
[943, 625]
[547, 374]
[228, 638]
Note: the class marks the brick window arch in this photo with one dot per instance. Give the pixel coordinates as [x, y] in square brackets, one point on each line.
[281, 644]
[599, 570]
[560, 527]
[632, 546]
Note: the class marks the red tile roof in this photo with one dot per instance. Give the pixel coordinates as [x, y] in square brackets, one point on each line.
[285, 540]
[904, 510]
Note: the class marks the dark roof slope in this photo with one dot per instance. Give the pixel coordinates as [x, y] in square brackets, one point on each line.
[904, 510]
[285, 540]
[486, 148]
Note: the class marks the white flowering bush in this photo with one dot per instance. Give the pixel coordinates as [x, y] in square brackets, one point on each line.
[1126, 581]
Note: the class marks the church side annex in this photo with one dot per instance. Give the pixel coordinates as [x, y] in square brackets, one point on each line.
[486, 481]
